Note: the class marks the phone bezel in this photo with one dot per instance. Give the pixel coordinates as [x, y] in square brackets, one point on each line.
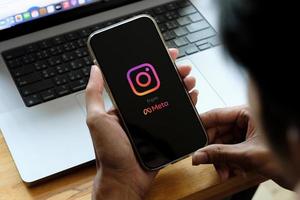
[113, 100]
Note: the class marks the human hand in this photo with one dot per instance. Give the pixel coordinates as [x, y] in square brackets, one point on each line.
[119, 176]
[236, 146]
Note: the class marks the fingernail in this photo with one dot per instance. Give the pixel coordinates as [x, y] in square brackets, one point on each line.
[200, 158]
[93, 67]
[174, 49]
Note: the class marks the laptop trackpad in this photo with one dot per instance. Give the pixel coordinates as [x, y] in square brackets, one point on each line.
[208, 99]
[47, 138]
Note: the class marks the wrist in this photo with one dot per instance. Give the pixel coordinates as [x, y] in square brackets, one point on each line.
[110, 186]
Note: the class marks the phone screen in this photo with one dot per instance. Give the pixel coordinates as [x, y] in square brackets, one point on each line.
[159, 117]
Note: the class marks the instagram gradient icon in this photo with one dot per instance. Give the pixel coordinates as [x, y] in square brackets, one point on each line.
[143, 79]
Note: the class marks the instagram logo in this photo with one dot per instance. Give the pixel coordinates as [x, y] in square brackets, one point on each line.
[143, 79]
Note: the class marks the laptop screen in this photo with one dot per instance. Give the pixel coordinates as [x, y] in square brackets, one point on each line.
[14, 12]
[20, 17]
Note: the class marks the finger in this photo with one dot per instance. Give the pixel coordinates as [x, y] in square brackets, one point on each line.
[223, 172]
[220, 117]
[112, 111]
[174, 53]
[94, 90]
[184, 70]
[189, 82]
[194, 96]
[219, 154]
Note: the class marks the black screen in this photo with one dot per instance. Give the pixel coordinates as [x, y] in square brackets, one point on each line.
[161, 121]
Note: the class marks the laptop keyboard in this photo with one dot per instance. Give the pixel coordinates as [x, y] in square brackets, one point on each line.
[58, 66]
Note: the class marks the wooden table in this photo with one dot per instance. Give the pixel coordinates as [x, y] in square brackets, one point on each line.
[179, 181]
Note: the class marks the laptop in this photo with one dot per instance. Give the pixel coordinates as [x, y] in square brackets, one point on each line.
[45, 65]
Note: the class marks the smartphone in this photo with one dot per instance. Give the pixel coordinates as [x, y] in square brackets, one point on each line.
[143, 82]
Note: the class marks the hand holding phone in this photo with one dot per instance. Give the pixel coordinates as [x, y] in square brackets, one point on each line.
[154, 107]
[116, 162]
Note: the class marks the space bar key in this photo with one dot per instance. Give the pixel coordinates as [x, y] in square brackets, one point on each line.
[37, 87]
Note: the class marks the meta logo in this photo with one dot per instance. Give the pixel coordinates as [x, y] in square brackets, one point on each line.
[154, 108]
[143, 79]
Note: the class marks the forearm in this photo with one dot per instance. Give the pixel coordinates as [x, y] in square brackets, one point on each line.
[111, 188]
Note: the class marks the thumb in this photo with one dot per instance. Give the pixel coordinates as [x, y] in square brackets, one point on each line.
[94, 90]
[219, 154]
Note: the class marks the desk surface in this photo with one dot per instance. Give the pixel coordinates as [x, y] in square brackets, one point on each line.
[178, 181]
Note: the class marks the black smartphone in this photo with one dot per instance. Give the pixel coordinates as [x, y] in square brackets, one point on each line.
[145, 87]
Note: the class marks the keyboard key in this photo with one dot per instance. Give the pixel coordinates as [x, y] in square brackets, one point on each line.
[72, 36]
[87, 60]
[171, 15]
[63, 90]
[69, 46]
[31, 48]
[159, 10]
[76, 64]
[48, 95]
[201, 42]
[75, 75]
[172, 6]
[61, 80]
[84, 32]
[169, 35]
[184, 3]
[181, 52]
[23, 70]
[28, 79]
[48, 73]
[181, 42]
[206, 33]
[171, 44]
[43, 64]
[195, 17]
[58, 40]
[78, 85]
[45, 44]
[36, 87]
[61, 69]
[28, 58]
[160, 19]
[163, 28]
[56, 50]
[81, 52]
[187, 11]
[180, 31]
[42, 54]
[214, 41]
[204, 46]
[184, 21]
[191, 49]
[81, 43]
[14, 63]
[68, 56]
[55, 60]
[32, 100]
[197, 26]
[171, 25]
[14, 53]
[86, 71]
